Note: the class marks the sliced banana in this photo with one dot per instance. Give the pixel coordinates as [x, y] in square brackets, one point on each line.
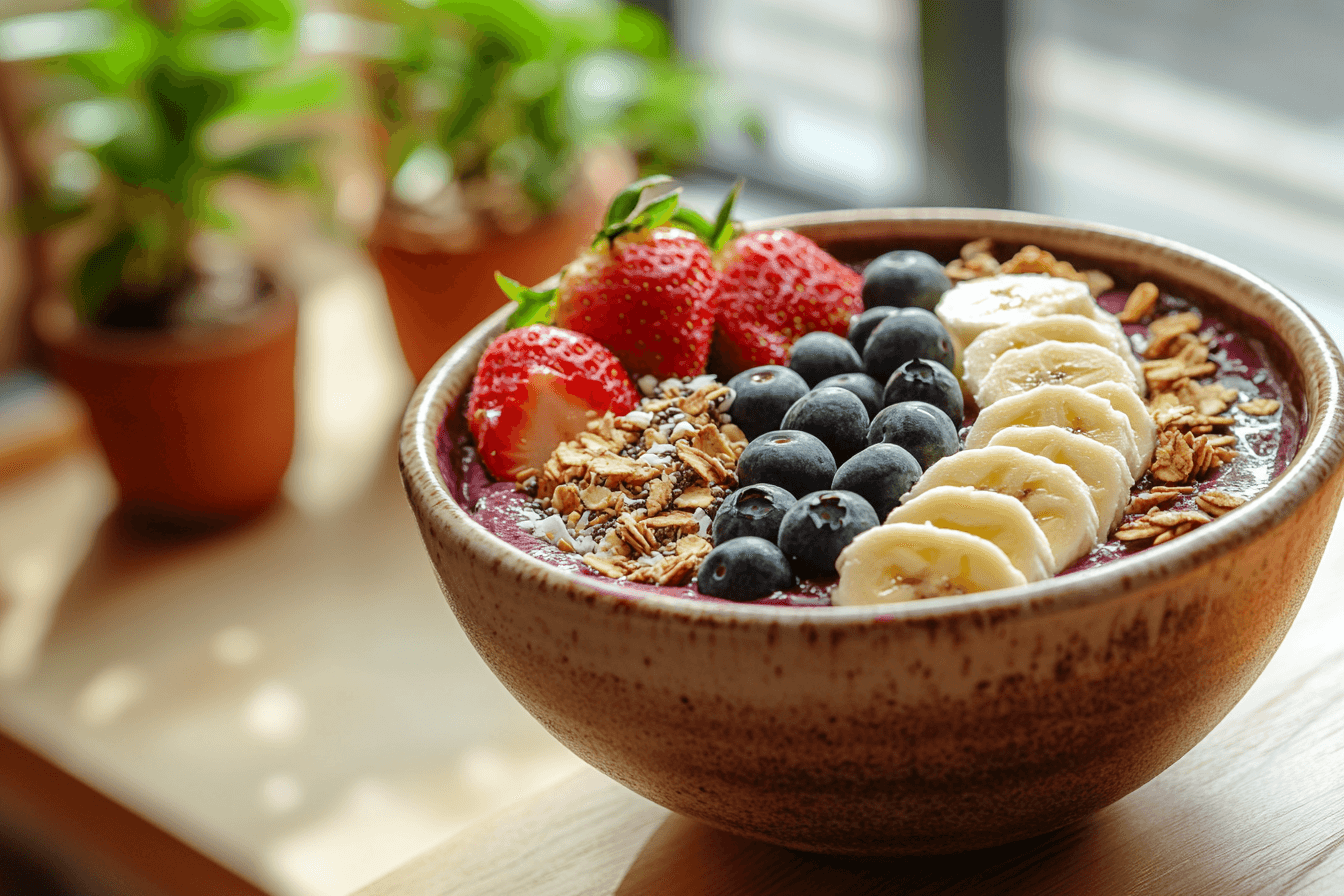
[1129, 404]
[974, 306]
[909, 561]
[987, 347]
[1051, 362]
[1101, 467]
[1053, 493]
[996, 517]
[1065, 406]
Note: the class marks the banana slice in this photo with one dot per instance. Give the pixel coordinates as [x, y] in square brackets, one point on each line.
[909, 561]
[1129, 404]
[987, 347]
[1051, 362]
[995, 517]
[974, 306]
[1055, 496]
[1066, 406]
[1101, 467]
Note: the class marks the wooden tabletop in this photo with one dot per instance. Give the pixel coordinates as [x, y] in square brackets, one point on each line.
[1256, 808]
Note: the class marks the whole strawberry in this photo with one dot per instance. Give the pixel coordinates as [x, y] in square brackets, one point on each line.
[644, 289]
[536, 387]
[775, 286]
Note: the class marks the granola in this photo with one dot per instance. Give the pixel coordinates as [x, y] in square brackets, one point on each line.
[635, 495]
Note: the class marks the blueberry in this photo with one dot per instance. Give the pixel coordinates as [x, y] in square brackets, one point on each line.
[907, 278]
[819, 526]
[820, 354]
[862, 385]
[908, 334]
[746, 568]
[762, 395]
[834, 415]
[797, 462]
[918, 427]
[880, 474]
[861, 326]
[929, 381]
[752, 510]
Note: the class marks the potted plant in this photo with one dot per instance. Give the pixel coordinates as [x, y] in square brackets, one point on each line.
[183, 350]
[506, 128]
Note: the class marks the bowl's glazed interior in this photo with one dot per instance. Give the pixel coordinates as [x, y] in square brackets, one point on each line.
[931, 726]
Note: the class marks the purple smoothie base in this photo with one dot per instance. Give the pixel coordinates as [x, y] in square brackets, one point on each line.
[1265, 447]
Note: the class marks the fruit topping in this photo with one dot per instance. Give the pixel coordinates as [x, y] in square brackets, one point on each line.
[775, 286]
[797, 462]
[822, 354]
[746, 568]
[752, 510]
[905, 278]
[971, 308]
[1065, 406]
[862, 385]
[539, 386]
[819, 526]
[762, 396]
[834, 415]
[1054, 494]
[644, 289]
[1080, 364]
[927, 381]
[909, 561]
[996, 517]
[861, 326]
[918, 427]
[881, 474]
[908, 334]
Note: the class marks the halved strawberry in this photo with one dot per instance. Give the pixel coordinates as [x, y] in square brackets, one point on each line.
[775, 286]
[539, 386]
[644, 289]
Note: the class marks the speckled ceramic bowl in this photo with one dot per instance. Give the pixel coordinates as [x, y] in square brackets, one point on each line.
[923, 727]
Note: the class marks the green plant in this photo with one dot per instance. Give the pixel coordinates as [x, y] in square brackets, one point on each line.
[510, 94]
[174, 98]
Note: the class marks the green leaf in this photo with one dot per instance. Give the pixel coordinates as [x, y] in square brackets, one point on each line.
[625, 201]
[534, 306]
[642, 32]
[695, 222]
[658, 212]
[724, 228]
[227, 14]
[184, 101]
[101, 274]
[317, 90]
[118, 65]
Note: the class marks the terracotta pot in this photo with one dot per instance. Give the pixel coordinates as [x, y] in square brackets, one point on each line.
[195, 422]
[437, 292]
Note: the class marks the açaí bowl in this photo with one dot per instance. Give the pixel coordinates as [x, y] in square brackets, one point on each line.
[924, 727]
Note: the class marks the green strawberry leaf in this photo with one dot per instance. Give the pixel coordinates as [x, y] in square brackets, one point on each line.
[628, 199]
[724, 226]
[534, 306]
[101, 273]
[658, 212]
[695, 222]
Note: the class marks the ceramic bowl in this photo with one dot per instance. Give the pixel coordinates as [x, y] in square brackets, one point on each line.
[924, 727]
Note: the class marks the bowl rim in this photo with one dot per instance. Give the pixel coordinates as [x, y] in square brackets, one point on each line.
[1318, 457]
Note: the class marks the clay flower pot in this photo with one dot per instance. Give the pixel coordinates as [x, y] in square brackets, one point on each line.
[195, 422]
[439, 286]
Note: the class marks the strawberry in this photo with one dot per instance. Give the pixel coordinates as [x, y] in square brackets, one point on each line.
[644, 289]
[774, 286]
[539, 386]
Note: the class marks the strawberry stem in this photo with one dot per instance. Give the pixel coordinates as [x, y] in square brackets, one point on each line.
[534, 305]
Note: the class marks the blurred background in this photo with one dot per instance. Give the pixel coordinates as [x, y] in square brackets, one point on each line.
[229, 230]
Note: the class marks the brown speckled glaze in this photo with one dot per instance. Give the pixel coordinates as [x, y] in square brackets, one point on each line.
[925, 727]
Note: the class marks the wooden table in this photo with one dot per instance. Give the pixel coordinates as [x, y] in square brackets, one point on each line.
[1256, 808]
